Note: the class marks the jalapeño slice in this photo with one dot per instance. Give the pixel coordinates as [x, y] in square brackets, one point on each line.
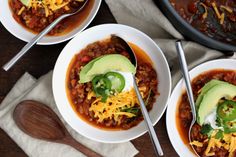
[227, 110]
[117, 81]
[229, 126]
[101, 85]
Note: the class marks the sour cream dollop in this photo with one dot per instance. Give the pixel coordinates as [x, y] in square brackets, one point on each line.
[129, 81]
[211, 119]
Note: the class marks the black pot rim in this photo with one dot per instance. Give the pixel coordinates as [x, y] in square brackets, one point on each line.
[194, 32]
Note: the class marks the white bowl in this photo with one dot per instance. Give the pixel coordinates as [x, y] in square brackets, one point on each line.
[22, 33]
[182, 149]
[99, 33]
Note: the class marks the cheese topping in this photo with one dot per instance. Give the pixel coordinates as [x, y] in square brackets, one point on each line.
[21, 10]
[228, 142]
[205, 10]
[49, 6]
[112, 108]
[196, 143]
[220, 16]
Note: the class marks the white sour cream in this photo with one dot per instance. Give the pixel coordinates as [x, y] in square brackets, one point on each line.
[211, 119]
[129, 81]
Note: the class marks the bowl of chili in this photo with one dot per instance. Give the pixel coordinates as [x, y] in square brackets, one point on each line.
[102, 104]
[218, 122]
[24, 19]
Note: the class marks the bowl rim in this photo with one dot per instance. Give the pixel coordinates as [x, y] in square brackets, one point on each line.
[165, 99]
[63, 38]
[172, 129]
[191, 32]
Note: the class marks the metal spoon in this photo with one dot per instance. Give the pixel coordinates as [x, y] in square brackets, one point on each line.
[41, 122]
[151, 131]
[28, 46]
[184, 70]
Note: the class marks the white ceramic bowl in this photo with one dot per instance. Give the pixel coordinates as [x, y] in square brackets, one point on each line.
[99, 33]
[22, 33]
[182, 149]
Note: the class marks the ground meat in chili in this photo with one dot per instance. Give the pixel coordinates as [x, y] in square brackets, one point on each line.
[218, 23]
[146, 77]
[184, 111]
[35, 19]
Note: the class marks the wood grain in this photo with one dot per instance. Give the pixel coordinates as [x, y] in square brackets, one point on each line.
[39, 61]
[40, 121]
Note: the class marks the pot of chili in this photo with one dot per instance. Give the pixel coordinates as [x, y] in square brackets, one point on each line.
[211, 23]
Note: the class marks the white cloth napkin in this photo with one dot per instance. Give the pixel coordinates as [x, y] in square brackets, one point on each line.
[28, 88]
[145, 16]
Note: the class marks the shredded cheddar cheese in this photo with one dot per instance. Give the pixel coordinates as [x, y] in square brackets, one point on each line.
[21, 10]
[90, 95]
[49, 6]
[221, 16]
[228, 142]
[205, 10]
[219, 11]
[67, 8]
[226, 8]
[196, 143]
[216, 10]
[112, 108]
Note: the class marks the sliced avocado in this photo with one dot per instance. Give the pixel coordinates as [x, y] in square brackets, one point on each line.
[86, 68]
[205, 88]
[112, 62]
[25, 2]
[211, 98]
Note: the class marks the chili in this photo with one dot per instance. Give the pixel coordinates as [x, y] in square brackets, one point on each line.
[184, 115]
[78, 93]
[215, 18]
[35, 20]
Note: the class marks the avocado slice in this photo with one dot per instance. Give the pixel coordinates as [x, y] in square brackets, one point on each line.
[103, 64]
[25, 2]
[205, 88]
[86, 68]
[211, 98]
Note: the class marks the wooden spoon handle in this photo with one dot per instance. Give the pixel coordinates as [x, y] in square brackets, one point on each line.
[83, 149]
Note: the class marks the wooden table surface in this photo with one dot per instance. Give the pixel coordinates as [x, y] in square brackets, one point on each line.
[39, 61]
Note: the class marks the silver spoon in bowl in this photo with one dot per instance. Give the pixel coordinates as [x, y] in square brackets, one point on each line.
[28, 46]
[185, 73]
[151, 131]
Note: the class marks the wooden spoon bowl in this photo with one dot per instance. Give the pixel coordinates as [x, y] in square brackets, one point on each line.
[41, 122]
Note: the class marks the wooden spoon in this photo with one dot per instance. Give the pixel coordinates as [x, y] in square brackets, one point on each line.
[41, 122]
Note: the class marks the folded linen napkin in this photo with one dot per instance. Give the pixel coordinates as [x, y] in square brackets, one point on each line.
[28, 88]
[145, 16]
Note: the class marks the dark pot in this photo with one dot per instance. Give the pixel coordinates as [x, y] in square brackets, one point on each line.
[190, 32]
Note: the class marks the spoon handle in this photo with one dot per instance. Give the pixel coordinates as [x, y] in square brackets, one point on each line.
[186, 77]
[81, 148]
[28, 46]
[151, 131]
